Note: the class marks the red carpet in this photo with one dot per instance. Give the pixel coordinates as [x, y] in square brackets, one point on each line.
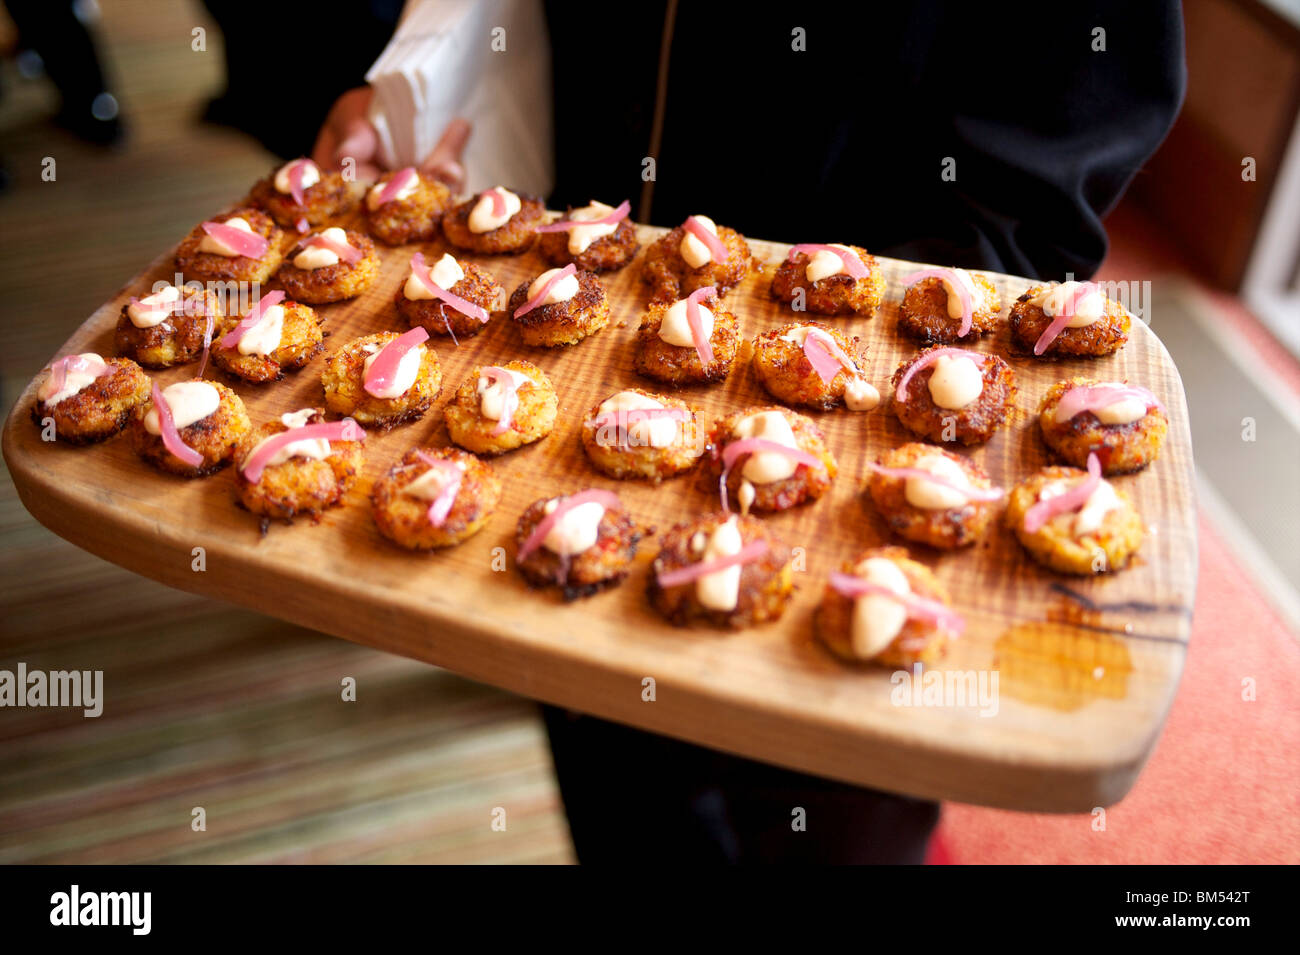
[1224, 783]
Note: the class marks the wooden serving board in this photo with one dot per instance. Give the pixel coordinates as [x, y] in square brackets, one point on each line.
[1086, 670]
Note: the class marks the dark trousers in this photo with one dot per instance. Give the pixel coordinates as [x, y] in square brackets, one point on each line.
[633, 796]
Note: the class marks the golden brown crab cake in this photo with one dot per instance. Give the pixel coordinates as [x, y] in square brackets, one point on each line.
[927, 512]
[591, 248]
[418, 382]
[640, 434]
[670, 275]
[741, 595]
[166, 327]
[87, 406]
[1099, 327]
[764, 480]
[474, 414]
[261, 355]
[482, 224]
[465, 280]
[402, 499]
[952, 409]
[1125, 434]
[317, 276]
[875, 628]
[210, 419]
[782, 367]
[1100, 536]
[204, 258]
[576, 306]
[301, 479]
[412, 214]
[666, 352]
[590, 546]
[820, 283]
[931, 311]
[325, 195]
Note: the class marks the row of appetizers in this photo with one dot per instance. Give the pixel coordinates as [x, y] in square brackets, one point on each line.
[766, 458]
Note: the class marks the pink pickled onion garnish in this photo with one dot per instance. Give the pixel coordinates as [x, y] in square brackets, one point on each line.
[717, 248]
[302, 225]
[396, 184]
[345, 430]
[1071, 500]
[973, 493]
[963, 293]
[344, 251]
[564, 225]
[509, 395]
[440, 507]
[744, 446]
[550, 283]
[421, 272]
[684, 575]
[171, 438]
[74, 363]
[384, 368]
[1081, 291]
[232, 337]
[825, 355]
[703, 347]
[498, 200]
[248, 244]
[607, 499]
[930, 358]
[852, 264]
[919, 608]
[1083, 398]
[296, 170]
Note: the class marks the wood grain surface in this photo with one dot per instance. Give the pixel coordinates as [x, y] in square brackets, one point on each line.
[1086, 669]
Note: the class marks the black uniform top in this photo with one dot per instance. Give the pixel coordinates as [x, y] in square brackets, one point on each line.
[847, 139]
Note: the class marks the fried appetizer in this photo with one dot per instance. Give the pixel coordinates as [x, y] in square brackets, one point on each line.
[686, 343]
[727, 570]
[434, 497]
[383, 379]
[495, 222]
[595, 238]
[638, 434]
[190, 428]
[1124, 425]
[274, 337]
[950, 394]
[454, 297]
[88, 398]
[169, 326]
[1073, 521]
[280, 475]
[806, 363]
[830, 280]
[560, 307]
[330, 266]
[239, 246]
[786, 461]
[1068, 320]
[501, 407]
[932, 496]
[887, 609]
[406, 206]
[949, 305]
[696, 254]
[580, 543]
[299, 195]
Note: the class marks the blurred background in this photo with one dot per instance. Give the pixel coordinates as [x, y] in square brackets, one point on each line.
[226, 709]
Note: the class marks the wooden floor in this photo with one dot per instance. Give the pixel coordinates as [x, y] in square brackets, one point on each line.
[207, 706]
